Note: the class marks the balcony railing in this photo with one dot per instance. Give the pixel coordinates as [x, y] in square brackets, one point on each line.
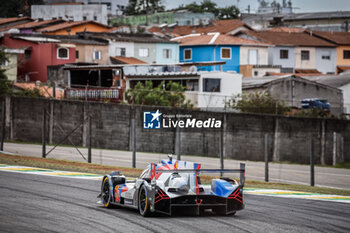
[113, 95]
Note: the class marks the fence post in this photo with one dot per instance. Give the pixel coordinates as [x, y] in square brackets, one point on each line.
[334, 148]
[43, 134]
[133, 128]
[312, 164]
[266, 157]
[3, 124]
[89, 149]
[178, 144]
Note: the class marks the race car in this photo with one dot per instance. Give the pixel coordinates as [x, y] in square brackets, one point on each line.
[174, 185]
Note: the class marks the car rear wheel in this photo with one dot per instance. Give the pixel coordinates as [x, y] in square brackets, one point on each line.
[144, 204]
[106, 193]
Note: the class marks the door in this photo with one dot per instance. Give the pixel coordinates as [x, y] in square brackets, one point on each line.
[252, 56]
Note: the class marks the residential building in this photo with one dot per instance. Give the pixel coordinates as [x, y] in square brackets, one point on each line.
[71, 28]
[114, 7]
[10, 66]
[145, 47]
[230, 26]
[296, 50]
[205, 90]
[342, 40]
[72, 12]
[322, 21]
[38, 54]
[292, 89]
[86, 50]
[213, 47]
[182, 17]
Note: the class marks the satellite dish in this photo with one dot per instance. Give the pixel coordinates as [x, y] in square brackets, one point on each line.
[193, 69]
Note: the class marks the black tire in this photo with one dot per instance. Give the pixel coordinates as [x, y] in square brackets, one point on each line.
[106, 193]
[143, 202]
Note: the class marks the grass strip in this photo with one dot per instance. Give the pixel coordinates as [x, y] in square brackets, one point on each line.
[66, 165]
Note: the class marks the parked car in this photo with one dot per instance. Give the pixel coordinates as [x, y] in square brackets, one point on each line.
[315, 103]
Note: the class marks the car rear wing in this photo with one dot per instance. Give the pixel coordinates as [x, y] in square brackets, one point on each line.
[221, 171]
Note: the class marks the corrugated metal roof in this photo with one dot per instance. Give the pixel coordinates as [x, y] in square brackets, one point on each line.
[141, 38]
[222, 26]
[37, 39]
[331, 80]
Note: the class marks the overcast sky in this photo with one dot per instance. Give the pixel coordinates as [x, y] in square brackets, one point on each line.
[302, 5]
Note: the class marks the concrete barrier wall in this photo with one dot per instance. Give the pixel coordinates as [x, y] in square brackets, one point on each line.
[243, 134]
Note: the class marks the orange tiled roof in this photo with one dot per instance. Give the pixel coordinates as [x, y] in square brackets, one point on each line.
[222, 26]
[126, 60]
[286, 29]
[205, 39]
[341, 38]
[38, 23]
[296, 74]
[66, 25]
[44, 90]
[341, 69]
[289, 38]
[13, 19]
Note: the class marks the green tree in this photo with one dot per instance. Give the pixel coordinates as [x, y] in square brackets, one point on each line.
[5, 86]
[13, 8]
[140, 7]
[257, 103]
[172, 95]
[230, 12]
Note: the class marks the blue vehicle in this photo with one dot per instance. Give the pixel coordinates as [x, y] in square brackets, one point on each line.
[321, 104]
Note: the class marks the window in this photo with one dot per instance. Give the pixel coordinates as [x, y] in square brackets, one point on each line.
[284, 54]
[166, 53]
[211, 85]
[5, 63]
[76, 54]
[346, 54]
[225, 53]
[188, 54]
[326, 56]
[305, 55]
[143, 52]
[121, 52]
[27, 53]
[84, 18]
[62, 53]
[96, 55]
[95, 18]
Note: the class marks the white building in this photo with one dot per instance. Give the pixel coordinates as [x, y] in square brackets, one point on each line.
[114, 7]
[97, 13]
[205, 90]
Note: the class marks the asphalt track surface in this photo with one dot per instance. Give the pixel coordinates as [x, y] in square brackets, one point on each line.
[33, 203]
